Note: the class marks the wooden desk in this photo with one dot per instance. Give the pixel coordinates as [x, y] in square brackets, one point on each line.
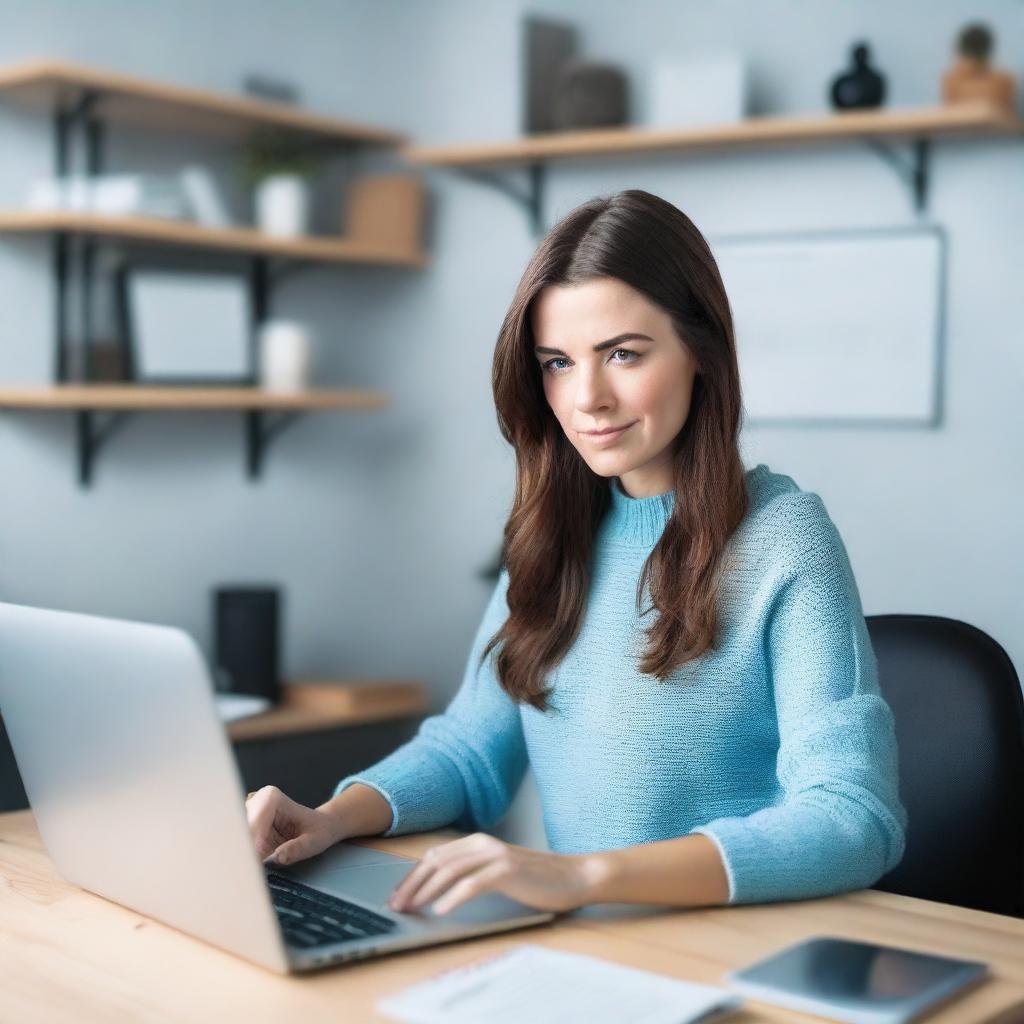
[67, 955]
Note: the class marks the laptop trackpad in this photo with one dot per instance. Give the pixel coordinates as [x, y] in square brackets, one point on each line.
[369, 883]
[374, 883]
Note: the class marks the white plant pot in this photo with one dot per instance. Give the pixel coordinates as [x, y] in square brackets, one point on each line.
[284, 350]
[282, 205]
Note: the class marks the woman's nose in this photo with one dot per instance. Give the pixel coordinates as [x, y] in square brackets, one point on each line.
[592, 392]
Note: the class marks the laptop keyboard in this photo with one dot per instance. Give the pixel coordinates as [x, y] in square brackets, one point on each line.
[310, 917]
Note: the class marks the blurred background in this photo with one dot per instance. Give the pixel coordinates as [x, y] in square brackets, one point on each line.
[379, 528]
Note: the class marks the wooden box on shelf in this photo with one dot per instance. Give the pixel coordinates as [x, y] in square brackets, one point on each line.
[387, 210]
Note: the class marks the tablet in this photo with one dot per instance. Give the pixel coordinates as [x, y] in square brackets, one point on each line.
[856, 981]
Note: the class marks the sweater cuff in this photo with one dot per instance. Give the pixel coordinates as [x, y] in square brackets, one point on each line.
[748, 869]
[759, 872]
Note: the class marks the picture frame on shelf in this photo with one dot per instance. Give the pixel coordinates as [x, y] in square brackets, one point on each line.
[186, 327]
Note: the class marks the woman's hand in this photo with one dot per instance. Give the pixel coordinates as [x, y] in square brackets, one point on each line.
[457, 871]
[284, 831]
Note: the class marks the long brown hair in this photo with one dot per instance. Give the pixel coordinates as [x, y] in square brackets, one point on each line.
[559, 501]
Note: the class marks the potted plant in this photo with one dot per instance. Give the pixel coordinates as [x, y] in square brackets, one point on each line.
[278, 168]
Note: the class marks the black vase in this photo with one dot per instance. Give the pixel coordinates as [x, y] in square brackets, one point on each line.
[862, 87]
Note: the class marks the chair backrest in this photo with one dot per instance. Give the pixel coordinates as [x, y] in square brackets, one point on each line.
[959, 716]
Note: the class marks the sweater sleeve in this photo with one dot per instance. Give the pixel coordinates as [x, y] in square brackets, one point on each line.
[838, 823]
[463, 766]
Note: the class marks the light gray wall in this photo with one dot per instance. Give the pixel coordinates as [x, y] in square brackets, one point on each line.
[376, 524]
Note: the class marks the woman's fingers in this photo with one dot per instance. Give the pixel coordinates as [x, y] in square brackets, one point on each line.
[262, 809]
[443, 877]
[449, 861]
[471, 885]
[295, 849]
[420, 872]
[260, 813]
[284, 831]
[434, 858]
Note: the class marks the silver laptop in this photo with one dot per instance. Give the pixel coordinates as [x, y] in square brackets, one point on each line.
[138, 798]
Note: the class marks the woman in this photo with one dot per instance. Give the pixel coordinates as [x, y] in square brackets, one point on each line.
[676, 646]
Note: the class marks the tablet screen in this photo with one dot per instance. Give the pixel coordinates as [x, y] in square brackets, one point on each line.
[838, 974]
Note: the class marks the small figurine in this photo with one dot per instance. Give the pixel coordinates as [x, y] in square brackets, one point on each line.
[972, 78]
[862, 86]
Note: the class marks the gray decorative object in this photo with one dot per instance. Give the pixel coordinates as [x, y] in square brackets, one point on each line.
[590, 95]
[547, 45]
[267, 87]
[204, 198]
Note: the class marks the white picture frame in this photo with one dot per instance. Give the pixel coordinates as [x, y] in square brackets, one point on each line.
[187, 327]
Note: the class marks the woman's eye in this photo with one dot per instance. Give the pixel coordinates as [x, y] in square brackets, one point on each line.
[550, 363]
[549, 366]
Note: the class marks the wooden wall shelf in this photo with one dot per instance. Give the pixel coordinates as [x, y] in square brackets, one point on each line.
[82, 102]
[964, 120]
[246, 241]
[142, 103]
[116, 402]
[142, 398]
[311, 707]
[879, 129]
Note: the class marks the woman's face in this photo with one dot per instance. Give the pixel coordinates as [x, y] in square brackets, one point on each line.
[640, 379]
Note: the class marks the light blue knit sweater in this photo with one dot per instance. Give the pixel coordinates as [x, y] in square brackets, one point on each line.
[776, 745]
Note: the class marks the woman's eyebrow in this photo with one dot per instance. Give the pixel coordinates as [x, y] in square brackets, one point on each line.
[617, 340]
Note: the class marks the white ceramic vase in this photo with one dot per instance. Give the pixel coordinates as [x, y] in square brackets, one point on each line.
[284, 352]
[282, 205]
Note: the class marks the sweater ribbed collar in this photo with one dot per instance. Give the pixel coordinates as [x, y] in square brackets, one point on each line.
[636, 521]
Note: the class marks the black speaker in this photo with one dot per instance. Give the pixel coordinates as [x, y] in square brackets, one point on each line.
[246, 632]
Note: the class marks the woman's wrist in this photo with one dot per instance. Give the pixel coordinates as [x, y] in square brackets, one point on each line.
[596, 871]
[358, 810]
[687, 871]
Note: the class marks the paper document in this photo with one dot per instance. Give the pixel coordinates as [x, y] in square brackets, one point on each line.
[547, 986]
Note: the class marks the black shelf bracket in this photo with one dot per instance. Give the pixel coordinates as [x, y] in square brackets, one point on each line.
[61, 277]
[94, 430]
[93, 434]
[74, 116]
[69, 116]
[531, 199]
[260, 429]
[264, 274]
[913, 170]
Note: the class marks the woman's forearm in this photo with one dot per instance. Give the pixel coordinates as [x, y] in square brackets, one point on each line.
[359, 811]
[684, 872]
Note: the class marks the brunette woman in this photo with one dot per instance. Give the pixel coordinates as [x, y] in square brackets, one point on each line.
[675, 645]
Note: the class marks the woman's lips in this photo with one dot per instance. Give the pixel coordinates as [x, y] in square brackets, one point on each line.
[609, 438]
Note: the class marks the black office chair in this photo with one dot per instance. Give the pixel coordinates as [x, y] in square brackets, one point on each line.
[959, 716]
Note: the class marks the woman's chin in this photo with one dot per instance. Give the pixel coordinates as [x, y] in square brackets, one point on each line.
[609, 467]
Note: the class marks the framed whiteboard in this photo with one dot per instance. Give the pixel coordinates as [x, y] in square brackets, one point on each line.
[838, 326]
